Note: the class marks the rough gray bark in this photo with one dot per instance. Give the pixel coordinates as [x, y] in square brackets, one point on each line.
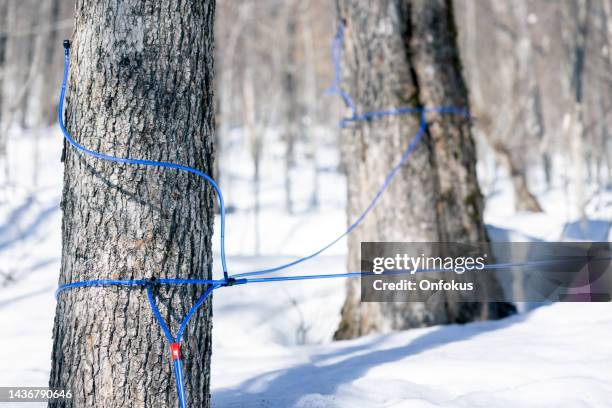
[404, 53]
[140, 86]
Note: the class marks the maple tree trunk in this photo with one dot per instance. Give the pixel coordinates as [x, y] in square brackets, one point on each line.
[141, 87]
[402, 53]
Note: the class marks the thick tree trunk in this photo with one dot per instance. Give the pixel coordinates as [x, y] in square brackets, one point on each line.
[141, 86]
[404, 53]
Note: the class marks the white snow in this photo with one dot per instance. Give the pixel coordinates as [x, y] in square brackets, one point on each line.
[558, 355]
[272, 342]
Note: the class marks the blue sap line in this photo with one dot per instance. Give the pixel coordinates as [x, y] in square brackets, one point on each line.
[213, 284]
[151, 163]
[388, 179]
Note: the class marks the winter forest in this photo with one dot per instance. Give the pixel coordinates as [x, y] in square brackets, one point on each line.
[186, 188]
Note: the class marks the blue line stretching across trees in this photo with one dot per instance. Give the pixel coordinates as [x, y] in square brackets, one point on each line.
[243, 278]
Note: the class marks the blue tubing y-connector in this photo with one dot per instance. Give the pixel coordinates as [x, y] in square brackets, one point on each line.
[175, 341]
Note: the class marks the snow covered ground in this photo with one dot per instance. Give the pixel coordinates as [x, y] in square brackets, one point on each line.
[272, 343]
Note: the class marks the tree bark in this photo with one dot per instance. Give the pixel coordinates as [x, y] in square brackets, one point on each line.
[140, 86]
[404, 53]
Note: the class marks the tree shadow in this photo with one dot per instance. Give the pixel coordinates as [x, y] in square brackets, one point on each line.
[9, 239]
[285, 387]
[16, 214]
[13, 275]
[498, 234]
[33, 293]
[587, 230]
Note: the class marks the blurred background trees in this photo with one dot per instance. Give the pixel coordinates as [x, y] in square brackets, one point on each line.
[30, 65]
[538, 74]
[273, 66]
[536, 71]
